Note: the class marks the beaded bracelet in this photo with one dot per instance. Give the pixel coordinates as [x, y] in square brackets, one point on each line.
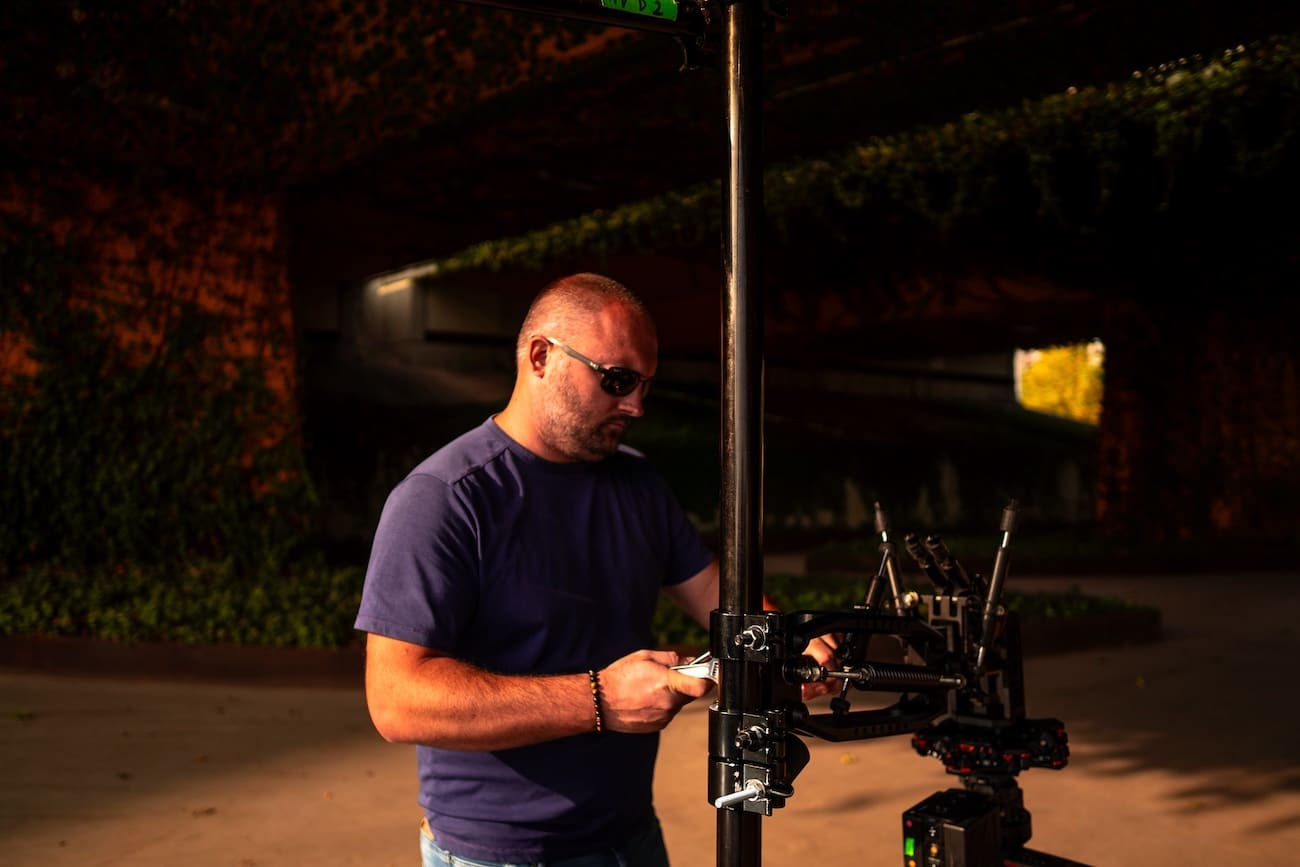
[595, 696]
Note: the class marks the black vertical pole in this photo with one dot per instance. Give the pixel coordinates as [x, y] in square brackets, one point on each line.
[740, 832]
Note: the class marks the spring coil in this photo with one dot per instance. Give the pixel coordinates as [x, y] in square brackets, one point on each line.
[887, 676]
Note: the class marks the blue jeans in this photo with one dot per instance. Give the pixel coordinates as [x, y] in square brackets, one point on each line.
[643, 848]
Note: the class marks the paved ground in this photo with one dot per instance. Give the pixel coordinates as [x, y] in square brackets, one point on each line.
[1183, 753]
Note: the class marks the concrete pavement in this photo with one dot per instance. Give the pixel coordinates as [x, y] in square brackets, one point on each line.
[1183, 752]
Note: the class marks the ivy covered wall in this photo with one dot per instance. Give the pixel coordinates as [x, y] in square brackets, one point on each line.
[146, 342]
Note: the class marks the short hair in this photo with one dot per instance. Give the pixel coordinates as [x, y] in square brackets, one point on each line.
[565, 305]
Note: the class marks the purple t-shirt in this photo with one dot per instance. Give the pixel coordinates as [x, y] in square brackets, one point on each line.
[521, 565]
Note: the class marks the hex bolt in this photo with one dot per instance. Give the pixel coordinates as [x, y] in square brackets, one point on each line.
[753, 638]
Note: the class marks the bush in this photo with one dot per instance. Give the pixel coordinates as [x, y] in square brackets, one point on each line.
[311, 605]
[204, 602]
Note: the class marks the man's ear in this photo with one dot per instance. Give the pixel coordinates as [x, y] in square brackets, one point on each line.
[539, 349]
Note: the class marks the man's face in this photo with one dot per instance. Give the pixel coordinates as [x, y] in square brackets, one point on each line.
[580, 420]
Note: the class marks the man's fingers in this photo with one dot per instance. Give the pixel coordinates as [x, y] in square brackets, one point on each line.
[663, 657]
[821, 650]
[816, 690]
[684, 684]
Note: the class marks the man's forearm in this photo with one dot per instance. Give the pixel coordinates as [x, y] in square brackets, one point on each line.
[443, 702]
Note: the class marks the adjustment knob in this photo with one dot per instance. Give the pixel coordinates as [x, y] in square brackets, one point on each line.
[752, 738]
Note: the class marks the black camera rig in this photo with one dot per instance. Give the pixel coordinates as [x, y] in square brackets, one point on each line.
[960, 681]
[958, 672]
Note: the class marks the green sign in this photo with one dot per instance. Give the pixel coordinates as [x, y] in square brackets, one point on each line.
[653, 8]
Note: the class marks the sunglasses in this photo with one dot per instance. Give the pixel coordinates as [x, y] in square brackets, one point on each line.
[618, 381]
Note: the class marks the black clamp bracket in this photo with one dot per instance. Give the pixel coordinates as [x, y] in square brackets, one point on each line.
[753, 759]
[748, 637]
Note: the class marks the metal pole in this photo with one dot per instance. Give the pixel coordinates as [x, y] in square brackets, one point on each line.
[740, 832]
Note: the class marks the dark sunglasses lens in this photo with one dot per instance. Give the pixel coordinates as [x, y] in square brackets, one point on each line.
[619, 381]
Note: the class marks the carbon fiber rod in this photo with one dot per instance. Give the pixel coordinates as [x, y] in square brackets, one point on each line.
[739, 839]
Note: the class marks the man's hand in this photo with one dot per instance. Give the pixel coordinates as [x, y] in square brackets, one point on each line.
[641, 693]
[822, 648]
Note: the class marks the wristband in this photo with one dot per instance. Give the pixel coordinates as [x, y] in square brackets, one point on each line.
[595, 697]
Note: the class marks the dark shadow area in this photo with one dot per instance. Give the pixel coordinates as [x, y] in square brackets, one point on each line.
[948, 466]
[1211, 702]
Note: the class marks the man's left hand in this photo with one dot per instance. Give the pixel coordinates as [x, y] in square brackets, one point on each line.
[822, 648]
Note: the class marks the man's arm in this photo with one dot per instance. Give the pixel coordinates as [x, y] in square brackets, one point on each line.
[423, 696]
[698, 596]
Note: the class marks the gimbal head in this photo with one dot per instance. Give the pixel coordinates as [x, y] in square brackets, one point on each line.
[958, 673]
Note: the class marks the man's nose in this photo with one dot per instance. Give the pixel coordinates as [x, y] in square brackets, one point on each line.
[633, 403]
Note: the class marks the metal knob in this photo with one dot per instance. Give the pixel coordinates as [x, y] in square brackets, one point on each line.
[751, 790]
[753, 638]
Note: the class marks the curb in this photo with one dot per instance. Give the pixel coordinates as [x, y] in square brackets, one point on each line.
[244, 665]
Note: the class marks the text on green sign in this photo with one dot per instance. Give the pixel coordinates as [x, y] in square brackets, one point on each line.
[653, 8]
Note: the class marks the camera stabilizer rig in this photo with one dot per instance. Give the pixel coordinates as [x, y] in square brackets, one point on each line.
[961, 696]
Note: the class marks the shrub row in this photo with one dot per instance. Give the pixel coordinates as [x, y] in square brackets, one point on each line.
[314, 606]
[204, 602]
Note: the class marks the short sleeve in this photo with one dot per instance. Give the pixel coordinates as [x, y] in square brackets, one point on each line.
[422, 581]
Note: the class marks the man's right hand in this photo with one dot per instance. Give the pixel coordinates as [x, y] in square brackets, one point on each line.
[642, 693]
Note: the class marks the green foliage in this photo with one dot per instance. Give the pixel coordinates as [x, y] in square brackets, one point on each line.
[202, 602]
[1062, 551]
[112, 454]
[1070, 605]
[1186, 148]
[309, 605]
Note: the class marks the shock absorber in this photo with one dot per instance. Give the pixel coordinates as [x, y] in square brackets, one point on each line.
[881, 676]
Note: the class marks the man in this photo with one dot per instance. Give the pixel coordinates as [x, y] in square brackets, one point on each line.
[509, 600]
